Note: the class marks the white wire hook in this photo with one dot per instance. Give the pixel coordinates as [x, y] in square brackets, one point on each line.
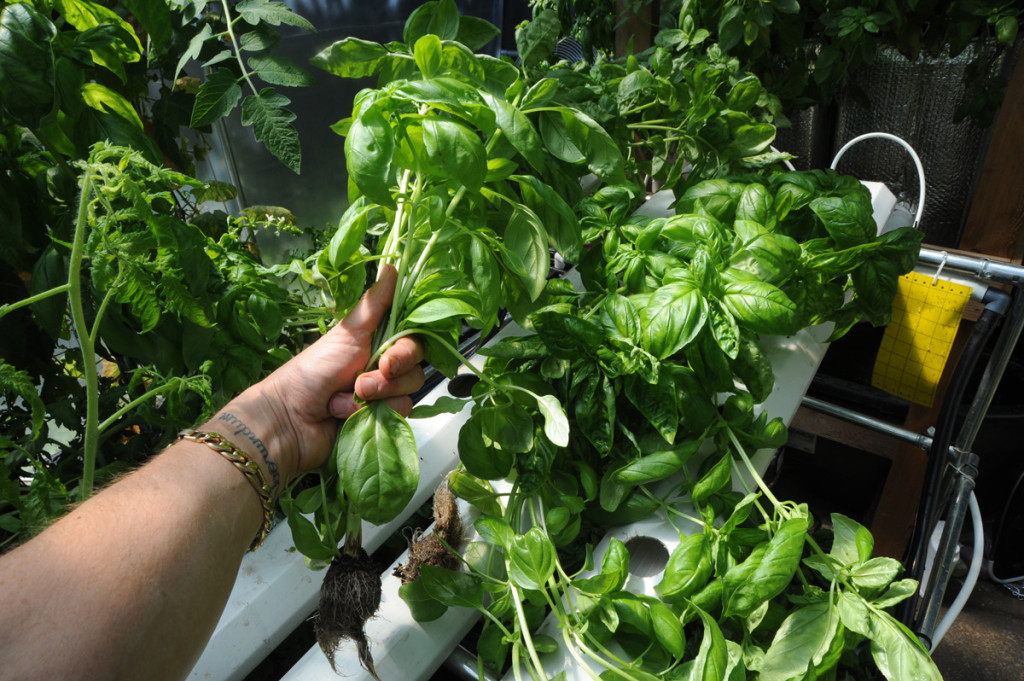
[942, 263]
[913, 154]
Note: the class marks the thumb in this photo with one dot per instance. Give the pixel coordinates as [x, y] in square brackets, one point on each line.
[366, 316]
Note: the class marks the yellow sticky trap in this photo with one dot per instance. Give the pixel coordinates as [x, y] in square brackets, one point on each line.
[925, 316]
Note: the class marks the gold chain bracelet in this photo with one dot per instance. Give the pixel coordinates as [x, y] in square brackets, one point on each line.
[252, 471]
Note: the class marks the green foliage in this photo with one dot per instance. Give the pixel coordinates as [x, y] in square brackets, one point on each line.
[807, 52]
[173, 313]
[174, 297]
[229, 35]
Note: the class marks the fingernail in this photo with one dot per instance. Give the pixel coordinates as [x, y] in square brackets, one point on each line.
[367, 387]
[390, 367]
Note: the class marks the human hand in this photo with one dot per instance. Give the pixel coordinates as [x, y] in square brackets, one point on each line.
[290, 418]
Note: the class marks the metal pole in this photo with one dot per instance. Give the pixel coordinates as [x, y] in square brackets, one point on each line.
[916, 439]
[1001, 352]
[982, 268]
[966, 469]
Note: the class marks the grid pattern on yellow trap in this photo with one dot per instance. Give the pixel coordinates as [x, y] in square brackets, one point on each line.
[925, 315]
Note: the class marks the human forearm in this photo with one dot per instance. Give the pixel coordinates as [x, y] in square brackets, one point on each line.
[131, 583]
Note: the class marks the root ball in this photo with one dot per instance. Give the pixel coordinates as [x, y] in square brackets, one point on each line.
[349, 595]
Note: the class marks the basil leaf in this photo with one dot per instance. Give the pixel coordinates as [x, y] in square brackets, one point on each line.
[427, 52]
[875, 573]
[757, 306]
[353, 58]
[655, 466]
[377, 462]
[756, 205]
[801, 642]
[441, 308]
[443, 405]
[422, 606]
[614, 571]
[531, 559]
[672, 318]
[687, 570]
[480, 457]
[767, 570]
[852, 543]
[559, 220]
[657, 402]
[848, 222]
[369, 146]
[350, 233]
[451, 587]
[898, 653]
[477, 492]
[456, 151]
[525, 250]
[713, 655]
[713, 480]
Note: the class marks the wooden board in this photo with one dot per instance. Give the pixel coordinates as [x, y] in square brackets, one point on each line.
[995, 223]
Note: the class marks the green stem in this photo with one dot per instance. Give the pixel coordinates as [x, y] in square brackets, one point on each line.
[149, 394]
[234, 42]
[669, 508]
[85, 340]
[103, 307]
[597, 657]
[517, 599]
[755, 475]
[572, 646]
[323, 502]
[56, 290]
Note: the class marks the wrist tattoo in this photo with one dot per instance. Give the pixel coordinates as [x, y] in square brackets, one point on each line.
[245, 431]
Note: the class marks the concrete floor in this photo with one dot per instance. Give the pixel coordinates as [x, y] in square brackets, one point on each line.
[986, 641]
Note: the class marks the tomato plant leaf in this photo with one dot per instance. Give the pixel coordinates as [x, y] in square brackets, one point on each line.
[273, 13]
[271, 124]
[278, 70]
[535, 39]
[216, 98]
[475, 32]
